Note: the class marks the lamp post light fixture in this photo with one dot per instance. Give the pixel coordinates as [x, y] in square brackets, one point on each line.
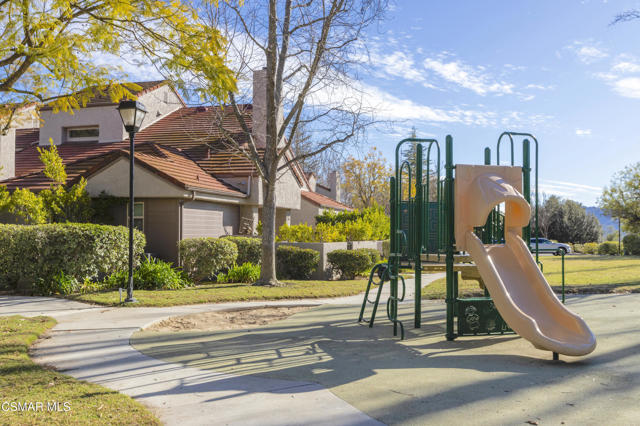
[132, 114]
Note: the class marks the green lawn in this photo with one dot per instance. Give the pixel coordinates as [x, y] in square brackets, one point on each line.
[23, 381]
[583, 274]
[218, 293]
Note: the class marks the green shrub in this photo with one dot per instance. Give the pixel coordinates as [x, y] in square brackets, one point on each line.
[41, 253]
[631, 244]
[203, 258]
[245, 273]
[369, 224]
[350, 263]
[578, 248]
[373, 254]
[300, 233]
[608, 248]
[153, 274]
[386, 248]
[590, 248]
[249, 249]
[296, 263]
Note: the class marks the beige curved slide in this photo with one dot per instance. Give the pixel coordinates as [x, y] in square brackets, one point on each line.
[518, 288]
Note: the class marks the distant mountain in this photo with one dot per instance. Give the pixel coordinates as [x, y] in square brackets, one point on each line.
[609, 224]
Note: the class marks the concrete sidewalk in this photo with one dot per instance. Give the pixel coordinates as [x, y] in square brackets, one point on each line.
[93, 343]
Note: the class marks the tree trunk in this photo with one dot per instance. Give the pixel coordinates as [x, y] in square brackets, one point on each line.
[268, 256]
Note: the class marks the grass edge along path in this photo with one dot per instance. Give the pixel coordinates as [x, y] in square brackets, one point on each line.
[232, 292]
[37, 388]
[584, 274]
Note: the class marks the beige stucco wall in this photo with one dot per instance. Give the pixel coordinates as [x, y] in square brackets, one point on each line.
[307, 213]
[159, 103]
[287, 191]
[8, 154]
[106, 118]
[114, 180]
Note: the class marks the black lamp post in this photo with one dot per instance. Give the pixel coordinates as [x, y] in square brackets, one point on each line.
[132, 113]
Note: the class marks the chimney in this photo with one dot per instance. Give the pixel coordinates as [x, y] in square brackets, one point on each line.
[259, 114]
[8, 154]
[334, 184]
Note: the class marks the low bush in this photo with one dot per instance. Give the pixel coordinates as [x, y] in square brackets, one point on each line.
[249, 249]
[245, 273]
[578, 248]
[63, 284]
[369, 224]
[202, 258]
[153, 274]
[296, 263]
[45, 254]
[373, 254]
[300, 233]
[350, 263]
[631, 244]
[590, 248]
[608, 248]
[386, 248]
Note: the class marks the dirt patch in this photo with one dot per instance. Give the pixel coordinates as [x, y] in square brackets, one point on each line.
[228, 320]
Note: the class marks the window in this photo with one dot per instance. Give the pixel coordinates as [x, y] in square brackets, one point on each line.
[83, 134]
[138, 215]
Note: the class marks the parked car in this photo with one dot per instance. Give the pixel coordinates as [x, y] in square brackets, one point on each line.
[547, 246]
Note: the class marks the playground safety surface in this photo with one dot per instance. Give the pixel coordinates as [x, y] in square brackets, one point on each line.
[425, 379]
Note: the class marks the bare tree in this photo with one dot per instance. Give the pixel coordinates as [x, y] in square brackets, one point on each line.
[310, 51]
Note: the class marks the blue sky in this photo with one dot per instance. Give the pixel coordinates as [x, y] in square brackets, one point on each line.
[473, 69]
[553, 68]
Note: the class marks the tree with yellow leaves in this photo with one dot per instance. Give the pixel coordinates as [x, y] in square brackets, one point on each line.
[366, 180]
[48, 49]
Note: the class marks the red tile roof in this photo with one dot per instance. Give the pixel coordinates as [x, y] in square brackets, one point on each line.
[166, 162]
[193, 131]
[323, 201]
[26, 137]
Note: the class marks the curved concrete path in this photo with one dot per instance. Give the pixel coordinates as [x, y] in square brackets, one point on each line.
[93, 343]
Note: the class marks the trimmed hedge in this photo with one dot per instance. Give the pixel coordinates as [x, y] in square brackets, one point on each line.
[78, 251]
[631, 244]
[608, 247]
[202, 258]
[296, 263]
[590, 248]
[249, 249]
[350, 263]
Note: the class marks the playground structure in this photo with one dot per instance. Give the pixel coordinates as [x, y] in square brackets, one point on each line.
[435, 221]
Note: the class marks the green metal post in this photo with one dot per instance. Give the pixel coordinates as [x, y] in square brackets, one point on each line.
[394, 249]
[418, 237]
[449, 237]
[526, 187]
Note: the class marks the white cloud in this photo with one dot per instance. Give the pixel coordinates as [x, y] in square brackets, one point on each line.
[583, 132]
[626, 67]
[474, 79]
[586, 194]
[623, 76]
[628, 87]
[588, 52]
[397, 64]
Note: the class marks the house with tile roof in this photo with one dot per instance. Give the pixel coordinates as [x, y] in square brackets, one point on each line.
[188, 183]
